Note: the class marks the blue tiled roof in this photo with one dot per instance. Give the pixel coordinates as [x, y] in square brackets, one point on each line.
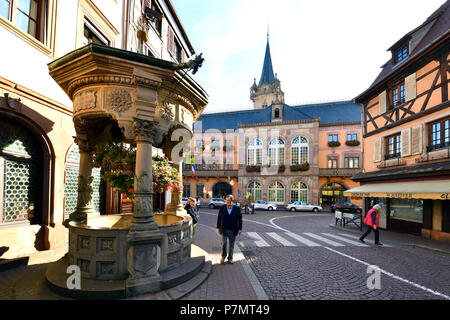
[231, 120]
[334, 112]
[328, 113]
[267, 72]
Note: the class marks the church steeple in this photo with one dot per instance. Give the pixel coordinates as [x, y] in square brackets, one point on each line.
[267, 75]
[268, 91]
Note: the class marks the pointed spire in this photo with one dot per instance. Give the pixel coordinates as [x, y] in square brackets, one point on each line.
[267, 72]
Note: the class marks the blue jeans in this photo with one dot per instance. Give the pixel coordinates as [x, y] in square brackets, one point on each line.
[228, 235]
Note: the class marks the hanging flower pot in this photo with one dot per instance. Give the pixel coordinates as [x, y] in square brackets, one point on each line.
[334, 144]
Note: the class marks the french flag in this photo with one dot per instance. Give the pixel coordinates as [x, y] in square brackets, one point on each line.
[193, 170]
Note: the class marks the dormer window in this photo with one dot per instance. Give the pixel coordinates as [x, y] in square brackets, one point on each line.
[277, 113]
[401, 53]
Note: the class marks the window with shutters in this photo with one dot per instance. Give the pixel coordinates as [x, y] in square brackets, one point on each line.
[170, 40]
[393, 146]
[157, 20]
[439, 134]
[397, 95]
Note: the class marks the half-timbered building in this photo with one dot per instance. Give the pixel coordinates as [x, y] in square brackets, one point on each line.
[406, 133]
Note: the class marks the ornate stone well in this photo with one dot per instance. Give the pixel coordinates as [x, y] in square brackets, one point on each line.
[124, 96]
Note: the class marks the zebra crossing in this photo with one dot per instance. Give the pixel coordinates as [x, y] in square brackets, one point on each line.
[308, 239]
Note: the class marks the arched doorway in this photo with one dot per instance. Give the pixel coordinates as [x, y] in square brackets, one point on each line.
[21, 177]
[332, 192]
[222, 189]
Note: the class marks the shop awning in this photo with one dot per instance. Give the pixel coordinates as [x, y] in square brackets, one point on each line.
[439, 189]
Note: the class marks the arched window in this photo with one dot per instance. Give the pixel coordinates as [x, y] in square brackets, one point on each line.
[276, 152]
[255, 190]
[299, 151]
[254, 152]
[71, 182]
[276, 192]
[299, 192]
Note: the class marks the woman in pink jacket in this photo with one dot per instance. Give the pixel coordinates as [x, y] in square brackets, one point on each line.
[372, 220]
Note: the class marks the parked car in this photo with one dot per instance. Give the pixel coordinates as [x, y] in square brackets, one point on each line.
[303, 206]
[346, 207]
[216, 203]
[264, 205]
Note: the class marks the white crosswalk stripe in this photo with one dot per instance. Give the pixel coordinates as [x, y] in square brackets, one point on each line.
[309, 243]
[259, 240]
[290, 239]
[280, 239]
[358, 244]
[357, 237]
[330, 242]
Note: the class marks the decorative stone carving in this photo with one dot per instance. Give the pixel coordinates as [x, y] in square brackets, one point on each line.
[147, 131]
[127, 130]
[143, 205]
[85, 191]
[84, 265]
[167, 112]
[119, 100]
[85, 100]
[143, 183]
[107, 244]
[98, 79]
[84, 242]
[106, 267]
[143, 260]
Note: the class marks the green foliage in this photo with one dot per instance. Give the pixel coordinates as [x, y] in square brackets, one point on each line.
[118, 162]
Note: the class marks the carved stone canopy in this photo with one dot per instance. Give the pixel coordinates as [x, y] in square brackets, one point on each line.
[124, 87]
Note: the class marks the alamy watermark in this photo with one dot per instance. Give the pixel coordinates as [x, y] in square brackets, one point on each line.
[374, 280]
[74, 280]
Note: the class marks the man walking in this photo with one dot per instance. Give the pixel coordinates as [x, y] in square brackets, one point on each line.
[372, 220]
[229, 225]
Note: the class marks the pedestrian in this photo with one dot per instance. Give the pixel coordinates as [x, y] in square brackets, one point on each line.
[372, 220]
[229, 225]
[192, 210]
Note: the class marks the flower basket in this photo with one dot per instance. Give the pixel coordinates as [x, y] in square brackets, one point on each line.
[334, 144]
[281, 168]
[300, 167]
[253, 168]
[353, 143]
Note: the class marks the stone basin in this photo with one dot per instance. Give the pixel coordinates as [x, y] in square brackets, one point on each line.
[99, 246]
[123, 222]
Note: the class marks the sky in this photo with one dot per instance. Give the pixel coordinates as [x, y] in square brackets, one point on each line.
[322, 50]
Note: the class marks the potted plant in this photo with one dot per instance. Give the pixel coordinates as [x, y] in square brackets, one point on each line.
[334, 144]
[300, 167]
[281, 168]
[352, 143]
[118, 162]
[253, 168]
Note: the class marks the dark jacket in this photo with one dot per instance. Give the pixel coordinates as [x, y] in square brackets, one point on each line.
[192, 212]
[236, 219]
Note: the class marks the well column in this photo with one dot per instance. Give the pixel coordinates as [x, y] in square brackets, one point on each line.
[85, 206]
[144, 237]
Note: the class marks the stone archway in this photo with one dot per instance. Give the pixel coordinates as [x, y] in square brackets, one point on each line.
[331, 192]
[221, 189]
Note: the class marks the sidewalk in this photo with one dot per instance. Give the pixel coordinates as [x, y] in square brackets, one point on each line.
[215, 282]
[402, 239]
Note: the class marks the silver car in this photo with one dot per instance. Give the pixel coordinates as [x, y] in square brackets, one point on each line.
[264, 205]
[303, 206]
[216, 203]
